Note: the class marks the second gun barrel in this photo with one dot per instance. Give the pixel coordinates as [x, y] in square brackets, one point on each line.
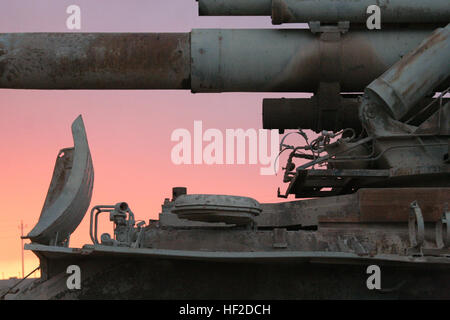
[330, 11]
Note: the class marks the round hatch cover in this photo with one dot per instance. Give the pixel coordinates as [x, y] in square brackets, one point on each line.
[217, 208]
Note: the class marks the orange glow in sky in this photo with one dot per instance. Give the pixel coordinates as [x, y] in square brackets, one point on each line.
[128, 131]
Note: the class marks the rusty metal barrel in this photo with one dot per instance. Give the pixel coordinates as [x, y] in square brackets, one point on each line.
[330, 11]
[205, 60]
[95, 60]
[414, 76]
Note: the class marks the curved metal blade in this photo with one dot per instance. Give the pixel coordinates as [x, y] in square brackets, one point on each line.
[70, 191]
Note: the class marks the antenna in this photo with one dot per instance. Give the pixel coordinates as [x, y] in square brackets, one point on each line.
[21, 237]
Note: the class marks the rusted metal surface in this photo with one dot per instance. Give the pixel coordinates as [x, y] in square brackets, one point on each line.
[95, 61]
[69, 194]
[414, 76]
[331, 11]
[438, 122]
[109, 275]
[222, 60]
[391, 205]
[290, 60]
[332, 182]
[305, 213]
[348, 256]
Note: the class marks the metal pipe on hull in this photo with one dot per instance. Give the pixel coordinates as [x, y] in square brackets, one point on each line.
[95, 60]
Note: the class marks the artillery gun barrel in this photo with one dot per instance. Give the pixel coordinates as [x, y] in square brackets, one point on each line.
[414, 76]
[330, 11]
[205, 60]
[304, 113]
[95, 60]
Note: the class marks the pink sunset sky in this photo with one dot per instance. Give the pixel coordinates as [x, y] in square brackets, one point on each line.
[128, 131]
